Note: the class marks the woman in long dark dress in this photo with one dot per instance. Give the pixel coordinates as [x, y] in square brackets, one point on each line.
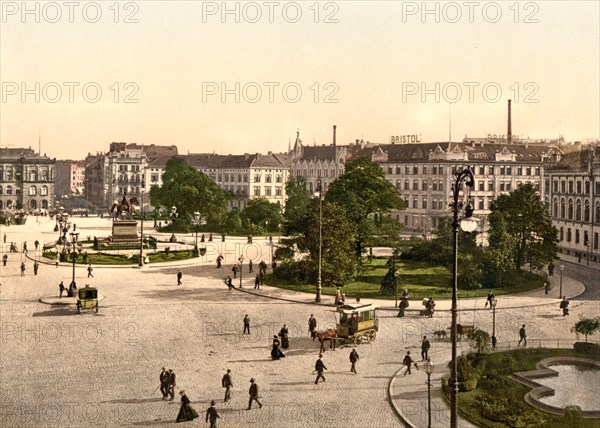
[283, 333]
[276, 352]
[186, 411]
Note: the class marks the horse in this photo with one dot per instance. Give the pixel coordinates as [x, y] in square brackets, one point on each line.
[123, 206]
[329, 334]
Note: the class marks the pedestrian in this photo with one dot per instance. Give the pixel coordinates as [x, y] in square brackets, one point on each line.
[403, 303]
[89, 269]
[227, 383]
[202, 239]
[564, 305]
[179, 275]
[219, 260]
[425, 345]
[5, 238]
[522, 336]
[275, 351]
[489, 299]
[212, 415]
[312, 327]
[246, 324]
[546, 288]
[249, 239]
[250, 266]
[24, 247]
[229, 283]
[261, 276]
[164, 383]
[338, 297]
[36, 266]
[186, 411]
[430, 307]
[61, 288]
[22, 268]
[257, 282]
[210, 237]
[284, 334]
[85, 258]
[578, 257]
[37, 244]
[234, 269]
[353, 359]
[319, 367]
[223, 237]
[253, 391]
[493, 343]
[171, 384]
[4, 259]
[408, 361]
[550, 269]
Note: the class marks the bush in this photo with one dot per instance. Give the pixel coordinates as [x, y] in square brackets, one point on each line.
[468, 385]
[591, 349]
[572, 415]
[292, 272]
[167, 250]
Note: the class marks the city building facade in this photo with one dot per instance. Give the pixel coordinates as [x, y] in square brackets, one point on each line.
[572, 196]
[26, 180]
[70, 178]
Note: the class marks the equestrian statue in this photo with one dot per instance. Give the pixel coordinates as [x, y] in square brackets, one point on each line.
[123, 209]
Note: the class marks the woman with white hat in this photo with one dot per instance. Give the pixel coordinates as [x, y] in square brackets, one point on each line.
[186, 411]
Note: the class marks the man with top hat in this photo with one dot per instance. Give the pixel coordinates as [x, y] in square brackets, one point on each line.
[227, 383]
[212, 415]
[253, 391]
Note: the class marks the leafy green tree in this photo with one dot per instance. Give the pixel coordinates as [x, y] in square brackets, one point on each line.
[586, 326]
[189, 190]
[479, 340]
[389, 283]
[296, 205]
[363, 191]
[233, 222]
[337, 251]
[261, 215]
[521, 226]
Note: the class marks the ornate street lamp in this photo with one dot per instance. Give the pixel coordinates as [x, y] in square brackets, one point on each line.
[429, 371]
[319, 193]
[468, 223]
[196, 222]
[143, 185]
[174, 214]
[494, 302]
[74, 235]
[562, 267]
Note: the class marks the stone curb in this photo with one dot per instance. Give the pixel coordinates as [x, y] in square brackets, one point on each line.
[389, 390]
[65, 301]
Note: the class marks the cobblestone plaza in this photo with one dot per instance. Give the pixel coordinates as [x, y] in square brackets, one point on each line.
[61, 369]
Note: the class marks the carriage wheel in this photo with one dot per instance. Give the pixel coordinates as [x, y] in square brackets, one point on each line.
[371, 335]
[357, 339]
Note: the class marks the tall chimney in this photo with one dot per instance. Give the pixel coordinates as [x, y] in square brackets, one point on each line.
[334, 126]
[509, 131]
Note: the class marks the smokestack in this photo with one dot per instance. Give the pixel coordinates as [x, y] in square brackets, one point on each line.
[334, 126]
[509, 130]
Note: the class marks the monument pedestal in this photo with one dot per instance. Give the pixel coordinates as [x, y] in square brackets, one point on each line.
[124, 232]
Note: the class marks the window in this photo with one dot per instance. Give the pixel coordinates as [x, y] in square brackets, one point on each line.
[586, 211]
[406, 185]
[441, 186]
[44, 190]
[570, 187]
[481, 184]
[569, 234]
[424, 169]
[257, 178]
[491, 170]
[415, 169]
[434, 204]
[577, 236]
[587, 187]
[390, 170]
[547, 186]
[1, 190]
[579, 187]
[578, 211]
[519, 170]
[481, 205]
[278, 191]
[502, 186]
[278, 178]
[562, 233]
[490, 186]
[528, 170]
[154, 178]
[563, 186]
[268, 178]
[245, 178]
[256, 190]
[415, 203]
[424, 185]
[508, 186]
[481, 170]
[406, 169]
[570, 209]
[502, 170]
[509, 170]
[563, 212]
[416, 185]
[32, 175]
[398, 170]
[435, 169]
[424, 203]
[268, 191]
[9, 190]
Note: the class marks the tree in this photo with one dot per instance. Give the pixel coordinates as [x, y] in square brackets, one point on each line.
[233, 222]
[389, 283]
[363, 191]
[479, 340]
[189, 190]
[521, 226]
[338, 265]
[296, 205]
[260, 214]
[586, 326]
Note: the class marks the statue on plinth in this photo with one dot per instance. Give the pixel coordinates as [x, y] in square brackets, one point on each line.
[124, 209]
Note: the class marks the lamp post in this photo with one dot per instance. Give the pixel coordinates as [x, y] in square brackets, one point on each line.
[429, 371]
[74, 235]
[494, 302]
[562, 267]
[143, 184]
[320, 194]
[174, 214]
[241, 260]
[396, 276]
[468, 224]
[196, 222]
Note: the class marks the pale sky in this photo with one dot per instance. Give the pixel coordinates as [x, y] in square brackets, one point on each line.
[375, 61]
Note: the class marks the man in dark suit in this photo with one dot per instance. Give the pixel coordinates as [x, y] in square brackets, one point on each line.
[164, 387]
[319, 367]
[253, 391]
[227, 384]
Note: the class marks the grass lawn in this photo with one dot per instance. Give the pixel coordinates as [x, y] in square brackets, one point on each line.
[504, 396]
[421, 280]
[129, 259]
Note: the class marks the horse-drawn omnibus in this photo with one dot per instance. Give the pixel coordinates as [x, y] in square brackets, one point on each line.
[88, 298]
[356, 322]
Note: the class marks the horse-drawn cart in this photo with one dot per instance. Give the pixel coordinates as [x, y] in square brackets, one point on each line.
[88, 298]
[355, 323]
